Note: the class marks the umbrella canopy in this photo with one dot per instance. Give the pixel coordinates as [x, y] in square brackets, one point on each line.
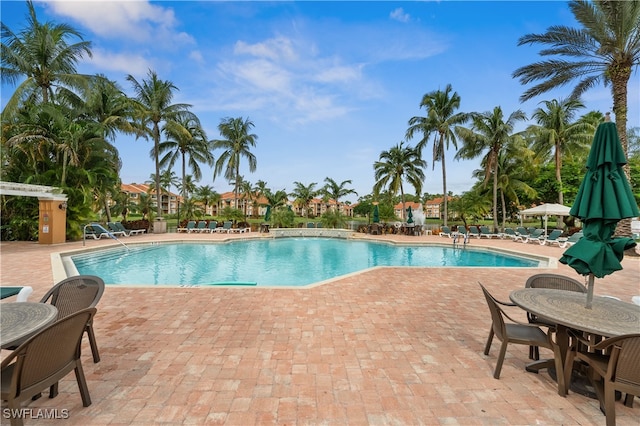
[267, 215]
[604, 198]
[409, 215]
[376, 214]
[546, 210]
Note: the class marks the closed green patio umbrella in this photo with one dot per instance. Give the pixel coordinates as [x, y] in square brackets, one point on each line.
[604, 198]
[409, 215]
[376, 214]
[267, 215]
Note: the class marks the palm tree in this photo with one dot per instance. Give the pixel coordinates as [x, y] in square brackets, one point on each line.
[440, 120]
[605, 49]
[42, 54]
[206, 195]
[557, 131]
[186, 140]
[303, 195]
[236, 144]
[490, 133]
[151, 107]
[187, 186]
[335, 191]
[398, 164]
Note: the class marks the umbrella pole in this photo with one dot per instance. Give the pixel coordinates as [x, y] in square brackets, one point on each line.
[590, 291]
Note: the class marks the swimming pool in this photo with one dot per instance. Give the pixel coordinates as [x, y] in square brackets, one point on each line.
[274, 262]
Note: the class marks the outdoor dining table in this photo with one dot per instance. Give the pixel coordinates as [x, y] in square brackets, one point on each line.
[607, 317]
[21, 320]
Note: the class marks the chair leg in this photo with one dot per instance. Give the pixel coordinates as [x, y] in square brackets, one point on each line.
[628, 401]
[53, 390]
[82, 385]
[489, 340]
[610, 404]
[503, 353]
[92, 342]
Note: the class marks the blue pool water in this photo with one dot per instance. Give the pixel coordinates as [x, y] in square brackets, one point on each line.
[272, 262]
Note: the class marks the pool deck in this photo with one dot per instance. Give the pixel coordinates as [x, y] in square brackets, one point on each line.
[391, 346]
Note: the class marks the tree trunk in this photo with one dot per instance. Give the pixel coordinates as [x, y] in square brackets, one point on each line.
[444, 189]
[156, 143]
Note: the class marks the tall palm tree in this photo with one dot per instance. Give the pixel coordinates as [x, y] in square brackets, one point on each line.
[188, 142]
[41, 53]
[152, 106]
[207, 196]
[440, 120]
[187, 186]
[303, 195]
[236, 144]
[396, 165]
[604, 49]
[558, 131]
[489, 134]
[335, 191]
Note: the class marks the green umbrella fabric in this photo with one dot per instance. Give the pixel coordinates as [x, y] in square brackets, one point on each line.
[267, 215]
[604, 198]
[409, 215]
[376, 214]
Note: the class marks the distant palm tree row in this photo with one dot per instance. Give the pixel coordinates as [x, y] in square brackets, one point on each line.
[58, 127]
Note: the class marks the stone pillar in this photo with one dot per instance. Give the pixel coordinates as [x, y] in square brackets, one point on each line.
[52, 228]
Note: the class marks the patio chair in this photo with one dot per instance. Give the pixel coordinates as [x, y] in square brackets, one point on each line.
[445, 231]
[554, 282]
[551, 238]
[115, 230]
[213, 225]
[474, 231]
[518, 333]
[615, 362]
[73, 294]
[571, 240]
[487, 233]
[311, 225]
[521, 233]
[43, 360]
[190, 226]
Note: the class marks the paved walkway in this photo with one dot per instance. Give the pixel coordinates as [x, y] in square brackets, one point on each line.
[392, 346]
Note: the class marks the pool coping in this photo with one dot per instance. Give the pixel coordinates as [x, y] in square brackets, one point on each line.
[62, 266]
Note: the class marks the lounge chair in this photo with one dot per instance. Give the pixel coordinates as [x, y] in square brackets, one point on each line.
[115, 231]
[22, 293]
[486, 232]
[534, 236]
[509, 233]
[521, 233]
[213, 225]
[201, 227]
[311, 225]
[571, 240]
[474, 231]
[519, 333]
[226, 227]
[41, 361]
[445, 231]
[121, 227]
[551, 238]
[190, 226]
[97, 231]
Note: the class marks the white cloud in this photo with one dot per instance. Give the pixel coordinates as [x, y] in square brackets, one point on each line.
[275, 49]
[400, 15]
[137, 21]
[196, 55]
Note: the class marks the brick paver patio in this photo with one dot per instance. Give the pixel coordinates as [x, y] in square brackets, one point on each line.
[391, 346]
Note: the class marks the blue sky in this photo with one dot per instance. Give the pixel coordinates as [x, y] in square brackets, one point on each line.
[328, 85]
